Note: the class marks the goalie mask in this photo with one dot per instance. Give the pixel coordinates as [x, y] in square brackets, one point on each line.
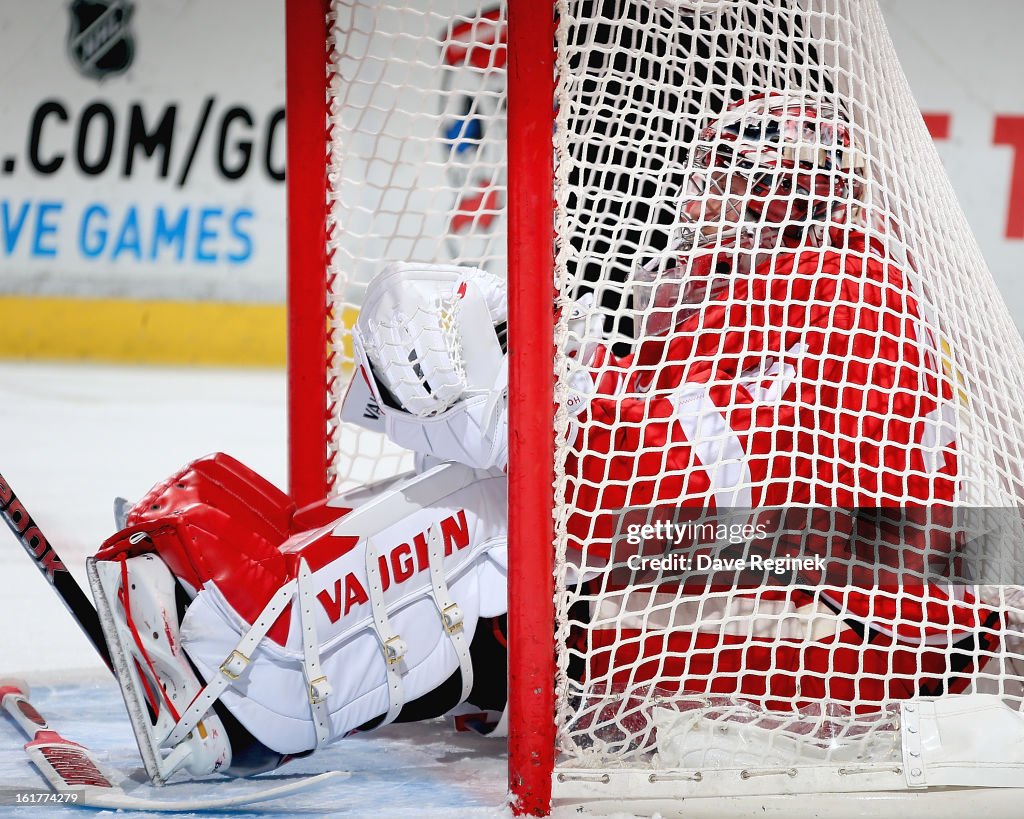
[771, 172]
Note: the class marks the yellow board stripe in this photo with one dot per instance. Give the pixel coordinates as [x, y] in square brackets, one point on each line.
[143, 332]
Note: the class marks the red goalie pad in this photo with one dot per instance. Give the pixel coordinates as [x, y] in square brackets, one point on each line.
[207, 518]
[217, 520]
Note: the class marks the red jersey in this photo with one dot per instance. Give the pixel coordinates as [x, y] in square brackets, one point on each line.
[810, 381]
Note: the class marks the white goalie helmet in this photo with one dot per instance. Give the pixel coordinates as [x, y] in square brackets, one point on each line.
[771, 172]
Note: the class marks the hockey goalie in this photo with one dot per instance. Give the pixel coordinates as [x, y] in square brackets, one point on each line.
[781, 361]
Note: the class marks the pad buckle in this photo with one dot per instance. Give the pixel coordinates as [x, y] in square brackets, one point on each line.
[234, 666]
[394, 650]
[319, 690]
[452, 618]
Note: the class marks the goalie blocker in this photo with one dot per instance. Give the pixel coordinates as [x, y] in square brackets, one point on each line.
[245, 631]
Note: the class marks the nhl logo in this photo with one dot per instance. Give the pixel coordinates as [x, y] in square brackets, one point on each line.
[100, 43]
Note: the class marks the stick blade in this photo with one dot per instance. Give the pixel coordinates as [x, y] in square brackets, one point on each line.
[119, 800]
[68, 766]
[114, 798]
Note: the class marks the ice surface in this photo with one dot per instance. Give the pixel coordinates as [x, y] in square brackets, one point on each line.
[423, 770]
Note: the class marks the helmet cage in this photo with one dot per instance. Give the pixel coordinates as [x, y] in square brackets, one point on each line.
[795, 158]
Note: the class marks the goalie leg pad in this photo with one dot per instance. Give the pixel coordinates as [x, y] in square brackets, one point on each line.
[136, 601]
[391, 607]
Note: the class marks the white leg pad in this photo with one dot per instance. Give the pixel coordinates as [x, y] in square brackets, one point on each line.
[391, 617]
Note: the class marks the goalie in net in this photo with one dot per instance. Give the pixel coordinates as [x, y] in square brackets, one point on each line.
[780, 361]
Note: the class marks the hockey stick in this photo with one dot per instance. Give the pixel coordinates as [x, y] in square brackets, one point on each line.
[50, 564]
[74, 770]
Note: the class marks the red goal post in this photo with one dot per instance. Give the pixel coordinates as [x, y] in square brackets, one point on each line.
[312, 396]
[400, 147]
[306, 47]
[531, 258]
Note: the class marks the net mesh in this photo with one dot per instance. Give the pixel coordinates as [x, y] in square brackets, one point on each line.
[768, 300]
[792, 313]
[417, 169]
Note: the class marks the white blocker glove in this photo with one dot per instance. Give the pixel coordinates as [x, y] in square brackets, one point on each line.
[426, 341]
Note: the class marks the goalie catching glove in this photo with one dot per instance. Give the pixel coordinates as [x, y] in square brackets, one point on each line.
[429, 343]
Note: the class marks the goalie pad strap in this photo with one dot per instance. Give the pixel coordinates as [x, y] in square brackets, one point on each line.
[317, 685]
[236, 663]
[449, 611]
[391, 643]
[233, 666]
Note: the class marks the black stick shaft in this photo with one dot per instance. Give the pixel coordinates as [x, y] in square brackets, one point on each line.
[50, 564]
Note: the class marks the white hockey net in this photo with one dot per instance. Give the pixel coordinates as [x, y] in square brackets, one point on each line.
[847, 352]
[417, 168]
[806, 347]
